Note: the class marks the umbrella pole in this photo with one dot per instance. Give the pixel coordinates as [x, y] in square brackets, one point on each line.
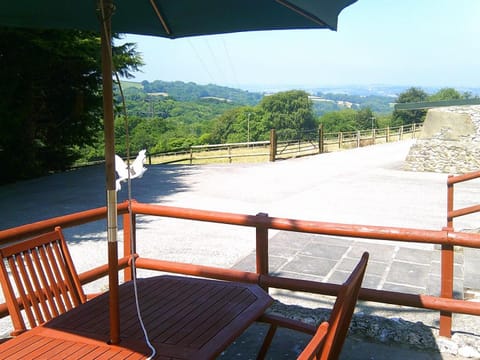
[110, 171]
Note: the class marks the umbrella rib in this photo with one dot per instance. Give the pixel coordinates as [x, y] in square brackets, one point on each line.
[303, 13]
[160, 17]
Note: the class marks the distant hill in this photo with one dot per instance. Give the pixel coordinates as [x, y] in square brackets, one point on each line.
[379, 100]
[182, 91]
[131, 84]
[325, 102]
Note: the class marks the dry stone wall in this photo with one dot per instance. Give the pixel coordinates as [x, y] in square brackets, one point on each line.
[449, 142]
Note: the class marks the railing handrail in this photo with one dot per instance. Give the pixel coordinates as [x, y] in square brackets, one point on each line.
[455, 179]
[226, 145]
[443, 236]
[65, 221]
[454, 213]
[314, 227]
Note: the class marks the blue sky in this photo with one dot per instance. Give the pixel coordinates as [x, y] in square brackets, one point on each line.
[391, 42]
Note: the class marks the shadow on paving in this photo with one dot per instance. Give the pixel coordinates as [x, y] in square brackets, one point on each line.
[83, 189]
[288, 344]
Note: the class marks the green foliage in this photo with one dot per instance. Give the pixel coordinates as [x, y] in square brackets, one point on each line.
[339, 121]
[445, 94]
[412, 95]
[365, 119]
[404, 117]
[349, 120]
[51, 98]
[289, 112]
[182, 91]
[160, 123]
[233, 126]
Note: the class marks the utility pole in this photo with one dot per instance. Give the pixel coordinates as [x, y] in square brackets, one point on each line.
[248, 129]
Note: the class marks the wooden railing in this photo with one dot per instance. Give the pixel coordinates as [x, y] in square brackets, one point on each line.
[201, 153]
[447, 268]
[360, 138]
[263, 223]
[274, 149]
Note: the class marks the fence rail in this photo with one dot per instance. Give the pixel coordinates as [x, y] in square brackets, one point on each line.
[274, 149]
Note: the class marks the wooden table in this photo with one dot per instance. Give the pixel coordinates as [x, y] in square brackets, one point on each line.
[186, 318]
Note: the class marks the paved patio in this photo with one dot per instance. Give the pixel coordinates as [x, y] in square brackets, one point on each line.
[359, 186]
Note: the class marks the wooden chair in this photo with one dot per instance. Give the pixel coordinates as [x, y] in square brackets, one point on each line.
[329, 337]
[39, 280]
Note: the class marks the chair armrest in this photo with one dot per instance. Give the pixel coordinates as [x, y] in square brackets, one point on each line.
[288, 323]
[315, 345]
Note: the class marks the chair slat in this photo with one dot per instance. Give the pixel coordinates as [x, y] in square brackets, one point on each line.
[26, 287]
[37, 288]
[40, 271]
[20, 288]
[76, 287]
[59, 283]
[10, 296]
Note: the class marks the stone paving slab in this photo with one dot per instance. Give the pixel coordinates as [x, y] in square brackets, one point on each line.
[472, 268]
[331, 259]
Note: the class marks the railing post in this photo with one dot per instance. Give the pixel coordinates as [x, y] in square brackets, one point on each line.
[191, 155]
[400, 134]
[262, 248]
[320, 139]
[447, 267]
[387, 136]
[229, 154]
[414, 129]
[129, 243]
[449, 202]
[358, 138]
[273, 144]
[373, 136]
[340, 140]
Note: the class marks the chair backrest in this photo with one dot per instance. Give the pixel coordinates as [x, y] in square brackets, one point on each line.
[38, 277]
[328, 340]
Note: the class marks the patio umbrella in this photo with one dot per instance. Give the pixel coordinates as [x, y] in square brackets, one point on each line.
[165, 18]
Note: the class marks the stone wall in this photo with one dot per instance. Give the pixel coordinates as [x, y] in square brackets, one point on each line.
[449, 142]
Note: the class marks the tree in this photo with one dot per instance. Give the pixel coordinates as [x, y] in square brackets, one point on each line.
[404, 117]
[51, 97]
[340, 121]
[289, 112]
[226, 127]
[366, 119]
[445, 94]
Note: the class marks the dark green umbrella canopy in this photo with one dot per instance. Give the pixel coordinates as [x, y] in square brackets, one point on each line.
[175, 18]
[165, 18]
